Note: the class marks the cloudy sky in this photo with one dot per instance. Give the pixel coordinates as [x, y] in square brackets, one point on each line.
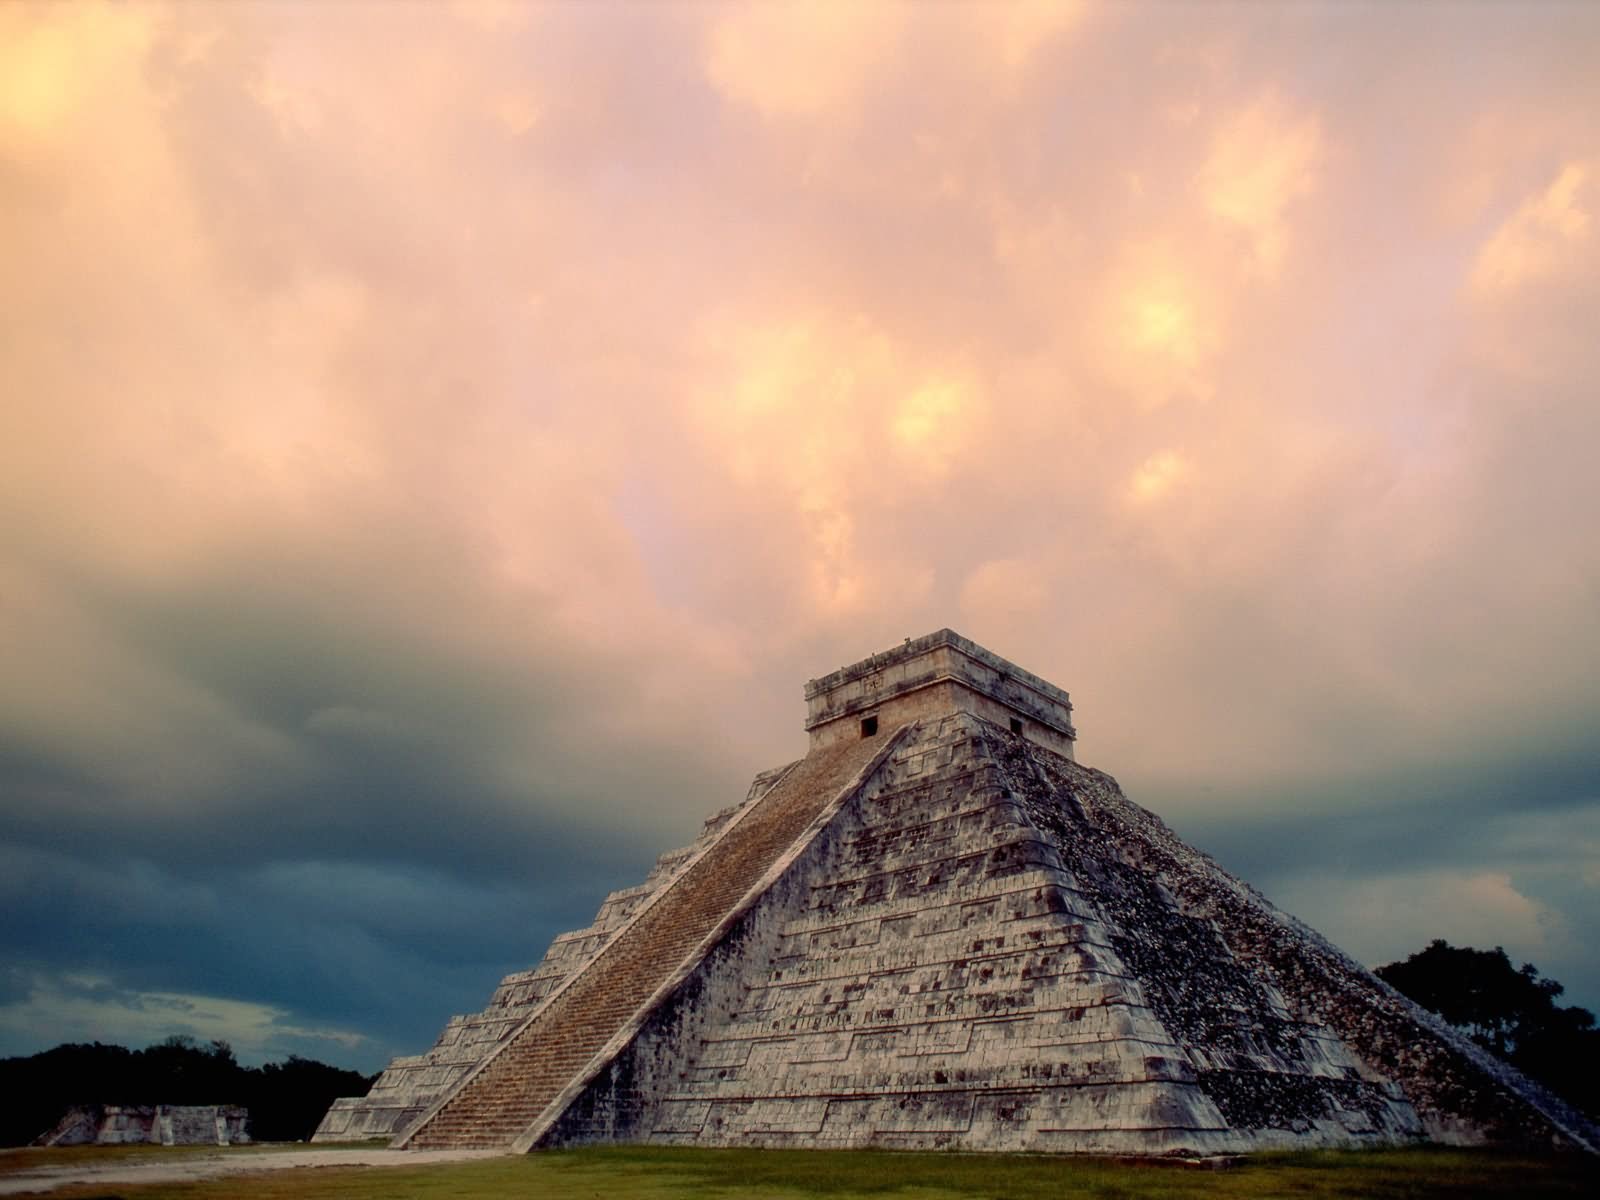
[437, 442]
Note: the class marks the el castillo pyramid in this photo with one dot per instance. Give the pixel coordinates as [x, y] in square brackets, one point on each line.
[937, 929]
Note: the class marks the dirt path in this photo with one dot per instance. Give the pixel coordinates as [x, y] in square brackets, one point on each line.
[211, 1166]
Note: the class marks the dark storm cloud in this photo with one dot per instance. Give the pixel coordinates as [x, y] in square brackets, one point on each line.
[390, 951]
[1505, 853]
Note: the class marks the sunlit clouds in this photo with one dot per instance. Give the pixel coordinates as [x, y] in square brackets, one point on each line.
[808, 61]
[438, 442]
[1546, 235]
[1157, 476]
[794, 59]
[1262, 159]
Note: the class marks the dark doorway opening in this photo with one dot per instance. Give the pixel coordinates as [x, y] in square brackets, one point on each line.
[869, 726]
[1016, 725]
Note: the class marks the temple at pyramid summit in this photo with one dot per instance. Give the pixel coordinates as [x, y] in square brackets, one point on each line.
[937, 929]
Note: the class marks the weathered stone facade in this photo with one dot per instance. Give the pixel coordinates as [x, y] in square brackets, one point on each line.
[410, 1083]
[938, 930]
[152, 1124]
[932, 676]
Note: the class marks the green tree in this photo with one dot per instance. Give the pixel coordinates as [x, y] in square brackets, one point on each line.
[1509, 1011]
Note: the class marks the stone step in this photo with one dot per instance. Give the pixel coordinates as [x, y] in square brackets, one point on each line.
[536, 1063]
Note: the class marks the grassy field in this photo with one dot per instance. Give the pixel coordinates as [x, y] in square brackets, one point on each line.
[668, 1174]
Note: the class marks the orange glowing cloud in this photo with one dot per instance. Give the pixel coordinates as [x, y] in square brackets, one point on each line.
[833, 414]
[736, 326]
[796, 59]
[1157, 476]
[1544, 236]
[1263, 158]
[1160, 325]
[1015, 30]
[51, 61]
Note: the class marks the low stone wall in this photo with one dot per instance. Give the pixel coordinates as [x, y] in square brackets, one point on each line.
[151, 1124]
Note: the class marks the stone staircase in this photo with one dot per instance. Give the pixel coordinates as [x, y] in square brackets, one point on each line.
[499, 1102]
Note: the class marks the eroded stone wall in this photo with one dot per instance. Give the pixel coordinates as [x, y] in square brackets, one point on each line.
[949, 966]
[411, 1083]
[929, 677]
[151, 1124]
[1462, 1094]
[991, 948]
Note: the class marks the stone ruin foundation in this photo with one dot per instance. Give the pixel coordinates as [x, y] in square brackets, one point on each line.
[153, 1124]
[938, 930]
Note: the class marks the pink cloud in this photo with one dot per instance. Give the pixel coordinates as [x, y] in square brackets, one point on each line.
[1233, 370]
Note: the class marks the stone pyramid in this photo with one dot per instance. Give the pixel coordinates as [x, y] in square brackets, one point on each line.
[938, 930]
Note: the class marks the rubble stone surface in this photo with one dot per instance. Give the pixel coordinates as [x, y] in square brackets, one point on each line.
[939, 930]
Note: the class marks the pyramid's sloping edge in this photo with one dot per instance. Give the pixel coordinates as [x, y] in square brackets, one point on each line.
[410, 1084]
[670, 986]
[509, 1041]
[1322, 985]
[556, 1042]
[1465, 1095]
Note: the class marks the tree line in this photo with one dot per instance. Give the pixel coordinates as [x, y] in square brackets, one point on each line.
[286, 1099]
[1509, 1011]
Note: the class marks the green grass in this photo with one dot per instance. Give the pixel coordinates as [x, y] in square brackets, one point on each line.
[640, 1173]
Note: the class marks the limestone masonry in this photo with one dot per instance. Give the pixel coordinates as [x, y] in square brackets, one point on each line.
[157, 1124]
[939, 930]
